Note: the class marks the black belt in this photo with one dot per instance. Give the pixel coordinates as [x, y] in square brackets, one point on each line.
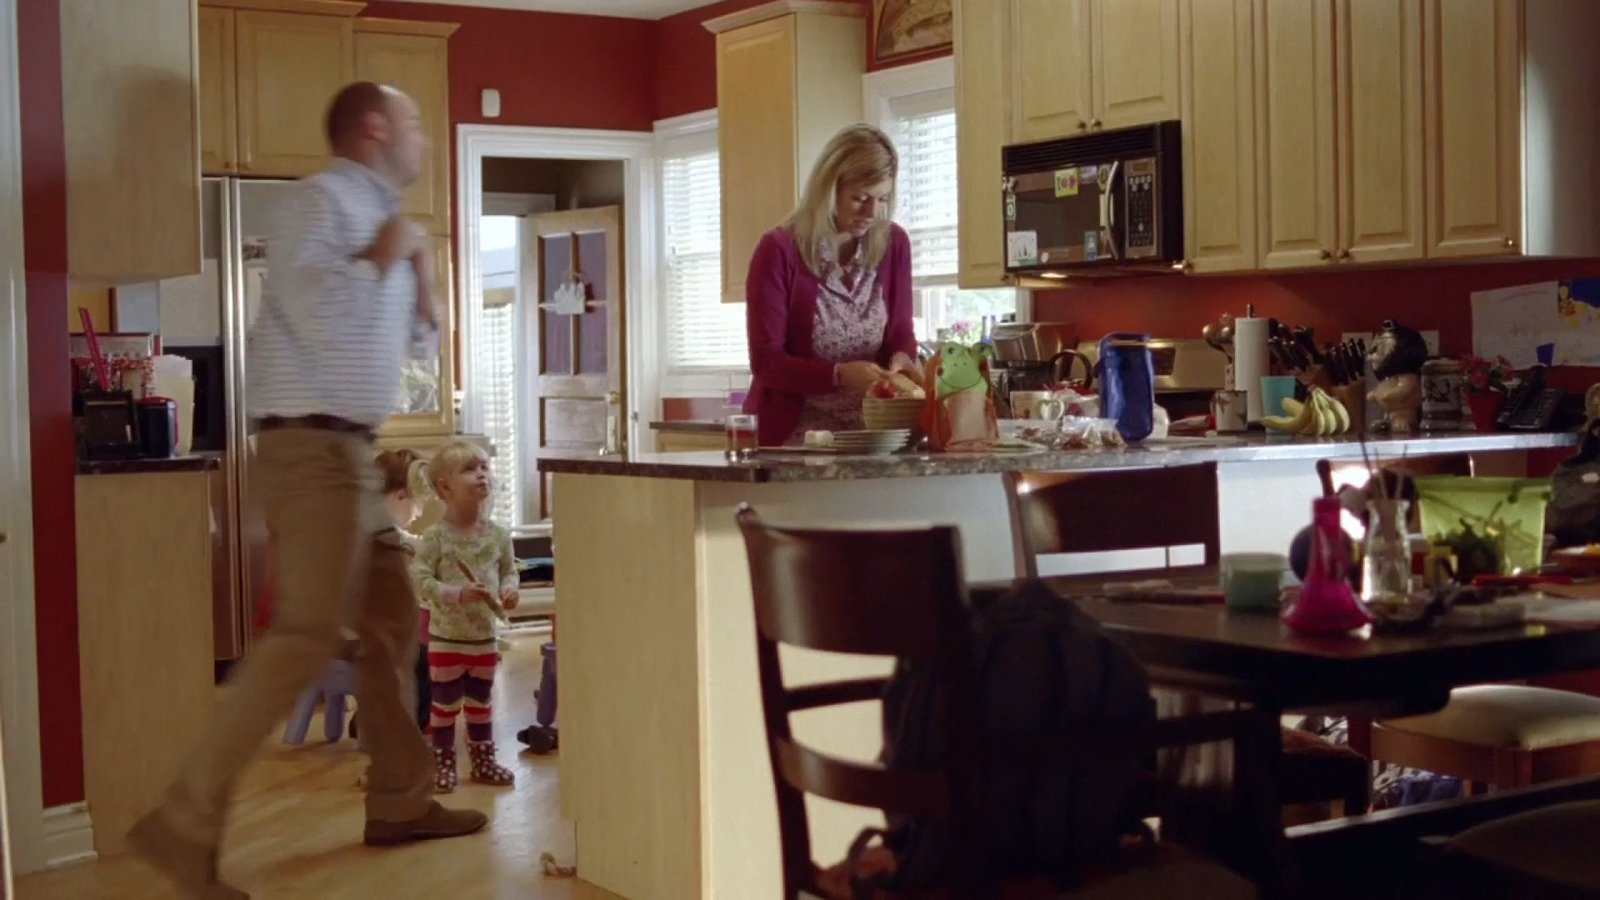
[316, 422]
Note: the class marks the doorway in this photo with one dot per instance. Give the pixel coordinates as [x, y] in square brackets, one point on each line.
[551, 351]
[564, 361]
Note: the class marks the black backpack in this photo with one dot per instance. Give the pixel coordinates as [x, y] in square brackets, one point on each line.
[1041, 666]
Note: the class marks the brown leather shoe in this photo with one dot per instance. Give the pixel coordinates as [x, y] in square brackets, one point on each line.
[190, 866]
[432, 825]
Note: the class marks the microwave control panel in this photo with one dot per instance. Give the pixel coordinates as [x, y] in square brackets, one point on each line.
[1139, 182]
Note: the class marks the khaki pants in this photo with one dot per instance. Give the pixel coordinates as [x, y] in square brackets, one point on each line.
[333, 566]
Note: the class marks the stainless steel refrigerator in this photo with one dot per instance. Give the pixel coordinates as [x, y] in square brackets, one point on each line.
[206, 318]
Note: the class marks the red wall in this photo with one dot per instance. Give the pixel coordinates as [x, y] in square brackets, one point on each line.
[44, 221]
[1331, 302]
[551, 69]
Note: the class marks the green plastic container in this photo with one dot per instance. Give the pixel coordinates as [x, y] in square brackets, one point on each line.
[1508, 511]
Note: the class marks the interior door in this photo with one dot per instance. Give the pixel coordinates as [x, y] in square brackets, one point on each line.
[578, 351]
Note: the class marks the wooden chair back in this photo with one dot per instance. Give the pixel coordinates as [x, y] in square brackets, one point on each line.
[878, 593]
[1119, 509]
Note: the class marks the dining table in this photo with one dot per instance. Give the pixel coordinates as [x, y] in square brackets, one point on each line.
[1251, 658]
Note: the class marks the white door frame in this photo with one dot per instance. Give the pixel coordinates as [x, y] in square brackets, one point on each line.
[19, 665]
[636, 151]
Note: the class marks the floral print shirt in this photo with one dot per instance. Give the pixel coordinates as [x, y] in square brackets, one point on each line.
[851, 319]
[441, 552]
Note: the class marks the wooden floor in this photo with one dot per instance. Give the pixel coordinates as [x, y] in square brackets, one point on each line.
[296, 828]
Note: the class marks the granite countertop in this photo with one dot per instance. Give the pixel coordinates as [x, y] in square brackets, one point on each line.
[193, 462]
[779, 466]
[689, 426]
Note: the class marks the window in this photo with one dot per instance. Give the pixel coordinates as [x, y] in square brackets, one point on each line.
[916, 106]
[496, 351]
[703, 338]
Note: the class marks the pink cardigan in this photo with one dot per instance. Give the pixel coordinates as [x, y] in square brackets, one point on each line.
[780, 314]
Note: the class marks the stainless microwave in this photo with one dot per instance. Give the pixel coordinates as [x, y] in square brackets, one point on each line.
[1095, 203]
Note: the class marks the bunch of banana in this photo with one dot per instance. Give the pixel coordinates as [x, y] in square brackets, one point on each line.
[1319, 416]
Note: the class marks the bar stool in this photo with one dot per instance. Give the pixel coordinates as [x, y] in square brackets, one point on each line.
[1545, 853]
[901, 594]
[338, 681]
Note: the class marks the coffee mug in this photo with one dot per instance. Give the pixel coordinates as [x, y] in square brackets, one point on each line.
[1253, 580]
[1230, 410]
[1027, 404]
[1274, 390]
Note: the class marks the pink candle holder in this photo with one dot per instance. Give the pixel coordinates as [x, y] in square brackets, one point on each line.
[1325, 603]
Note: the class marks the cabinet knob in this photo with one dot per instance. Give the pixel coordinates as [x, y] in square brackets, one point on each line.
[1344, 254]
[1094, 124]
[1326, 253]
[1511, 243]
[1083, 126]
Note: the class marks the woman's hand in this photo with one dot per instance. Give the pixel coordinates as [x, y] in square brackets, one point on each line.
[857, 376]
[906, 366]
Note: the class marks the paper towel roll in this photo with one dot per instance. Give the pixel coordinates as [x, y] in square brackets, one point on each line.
[1250, 361]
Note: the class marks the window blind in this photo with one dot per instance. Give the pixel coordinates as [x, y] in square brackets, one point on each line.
[497, 354]
[923, 129]
[702, 332]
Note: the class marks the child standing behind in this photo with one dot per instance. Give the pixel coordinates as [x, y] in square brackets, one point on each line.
[466, 575]
[400, 470]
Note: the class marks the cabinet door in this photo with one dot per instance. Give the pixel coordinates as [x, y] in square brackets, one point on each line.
[1295, 167]
[980, 41]
[1472, 109]
[756, 138]
[1219, 153]
[1136, 59]
[1050, 65]
[1381, 190]
[418, 65]
[290, 66]
[219, 128]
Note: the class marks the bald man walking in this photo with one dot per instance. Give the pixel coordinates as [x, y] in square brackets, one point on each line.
[350, 295]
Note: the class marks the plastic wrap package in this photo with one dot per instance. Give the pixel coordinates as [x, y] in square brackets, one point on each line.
[1067, 433]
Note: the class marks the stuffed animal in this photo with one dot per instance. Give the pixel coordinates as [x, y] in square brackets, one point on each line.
[959, 414]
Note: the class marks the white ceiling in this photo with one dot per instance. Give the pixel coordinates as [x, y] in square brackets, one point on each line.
[630, 9]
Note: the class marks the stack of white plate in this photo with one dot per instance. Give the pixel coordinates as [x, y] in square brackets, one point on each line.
[872, 442]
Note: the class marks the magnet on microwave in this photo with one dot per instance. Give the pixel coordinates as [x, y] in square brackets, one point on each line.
[1066, 182]
[1088, 175]
[1022, 248]
[1091, 246]
[1011, 207]
[1105, 177]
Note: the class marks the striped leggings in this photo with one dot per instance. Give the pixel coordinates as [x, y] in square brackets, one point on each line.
[462, 676]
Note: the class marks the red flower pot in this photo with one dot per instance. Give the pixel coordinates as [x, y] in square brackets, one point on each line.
[1485, 407]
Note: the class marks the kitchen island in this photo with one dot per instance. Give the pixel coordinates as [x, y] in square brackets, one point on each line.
[664, 765]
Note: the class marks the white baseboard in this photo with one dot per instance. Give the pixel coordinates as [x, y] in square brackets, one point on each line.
[68, 836]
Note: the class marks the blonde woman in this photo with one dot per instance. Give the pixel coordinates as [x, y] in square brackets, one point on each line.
[828, 296]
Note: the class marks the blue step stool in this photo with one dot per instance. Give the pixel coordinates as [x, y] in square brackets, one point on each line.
[338, 681]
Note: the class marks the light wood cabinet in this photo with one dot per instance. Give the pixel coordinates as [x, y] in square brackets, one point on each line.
[1219, 152]
[1472, 119]
[1085, 65]
[788, 78]
[219, 126]
[414, 57]
[289, 67]
[981, 41]
[1297, 172]
[1050, 68]
[1135, 54]
[130, 111]
[1379, 59]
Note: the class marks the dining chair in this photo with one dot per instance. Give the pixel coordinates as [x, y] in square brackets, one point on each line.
[901, 594]
[1546, 853]
[1165, 508]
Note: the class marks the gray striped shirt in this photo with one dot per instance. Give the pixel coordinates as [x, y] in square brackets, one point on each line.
[331, 335]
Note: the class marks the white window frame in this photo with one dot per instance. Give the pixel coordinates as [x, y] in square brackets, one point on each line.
[527, 330]
[880, 90]
[674, 137]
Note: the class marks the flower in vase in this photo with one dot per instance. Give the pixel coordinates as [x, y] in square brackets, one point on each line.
[1484, 375]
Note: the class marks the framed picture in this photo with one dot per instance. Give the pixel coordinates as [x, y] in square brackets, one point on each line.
[910, 28]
